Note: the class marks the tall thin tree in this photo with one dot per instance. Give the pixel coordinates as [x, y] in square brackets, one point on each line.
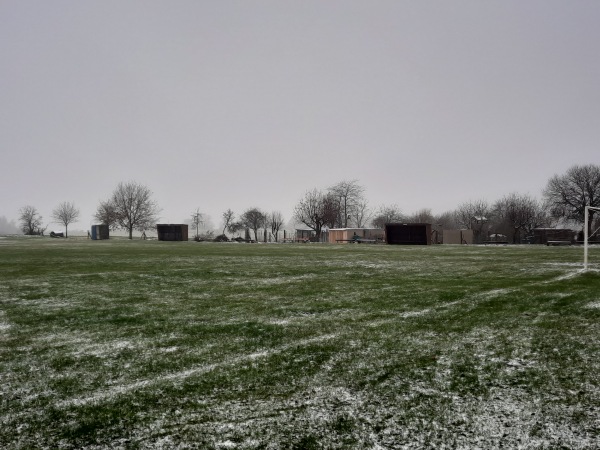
[65, 213]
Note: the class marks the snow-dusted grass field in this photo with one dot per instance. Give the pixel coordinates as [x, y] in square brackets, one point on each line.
[146, 344]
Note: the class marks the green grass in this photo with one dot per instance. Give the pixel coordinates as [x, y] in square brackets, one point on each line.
[150, 344]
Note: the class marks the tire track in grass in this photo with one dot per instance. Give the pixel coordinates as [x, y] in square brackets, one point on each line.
[473, 298]
[108, 394]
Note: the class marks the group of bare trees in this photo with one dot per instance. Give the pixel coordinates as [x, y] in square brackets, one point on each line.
[31, 221]
[253, 219]
[339, 206]
[513, 216]
[131, 207]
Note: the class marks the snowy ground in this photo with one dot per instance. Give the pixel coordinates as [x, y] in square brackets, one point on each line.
[193, 345]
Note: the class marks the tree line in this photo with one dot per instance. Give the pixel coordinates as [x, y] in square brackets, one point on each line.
[514, 216]
[343, 205]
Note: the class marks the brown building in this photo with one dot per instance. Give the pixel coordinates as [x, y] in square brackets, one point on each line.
[457, 237]
[346, 235]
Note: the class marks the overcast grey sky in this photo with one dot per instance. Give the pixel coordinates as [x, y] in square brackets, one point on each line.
[233, 104]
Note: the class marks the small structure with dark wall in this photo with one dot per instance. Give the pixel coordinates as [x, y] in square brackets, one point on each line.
[547, 236]
[408, 233]
[99, 232]
[172, 232]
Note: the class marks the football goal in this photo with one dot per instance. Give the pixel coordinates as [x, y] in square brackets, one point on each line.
[587, 235]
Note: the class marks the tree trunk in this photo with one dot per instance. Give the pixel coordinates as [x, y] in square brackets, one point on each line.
[318, 234]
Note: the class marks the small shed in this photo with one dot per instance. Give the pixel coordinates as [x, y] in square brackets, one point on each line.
[408, 233]
[309, 235]
[345, 235]
[172, 232]
[99, 232]
[457, 236]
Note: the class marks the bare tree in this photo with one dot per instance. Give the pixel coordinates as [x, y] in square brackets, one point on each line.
[517, 213]
[569, 194]
[441, 222]
[254, 219]
[331, 210]
[30, 221]
[228, 217]
[131, 207]
[65, 213]
[348, 194]
[197, 220]
[235, 227]
[446, 220]
[540, 218]
[313, 211]
[275, 222]
[361, 213]
[106, 214]
[387, 214]
[474, 215]
[422, 216]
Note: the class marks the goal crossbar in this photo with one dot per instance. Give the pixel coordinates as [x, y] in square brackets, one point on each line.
[585, 234]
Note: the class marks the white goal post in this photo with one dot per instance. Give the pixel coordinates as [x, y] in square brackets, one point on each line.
[585, 234]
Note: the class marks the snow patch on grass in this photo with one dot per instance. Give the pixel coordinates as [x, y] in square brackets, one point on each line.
[281, 322]
[494, 293]
[4, 324]
[104, 395]
[409, 314]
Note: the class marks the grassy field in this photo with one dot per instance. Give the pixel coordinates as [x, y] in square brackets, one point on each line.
[150, 344]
